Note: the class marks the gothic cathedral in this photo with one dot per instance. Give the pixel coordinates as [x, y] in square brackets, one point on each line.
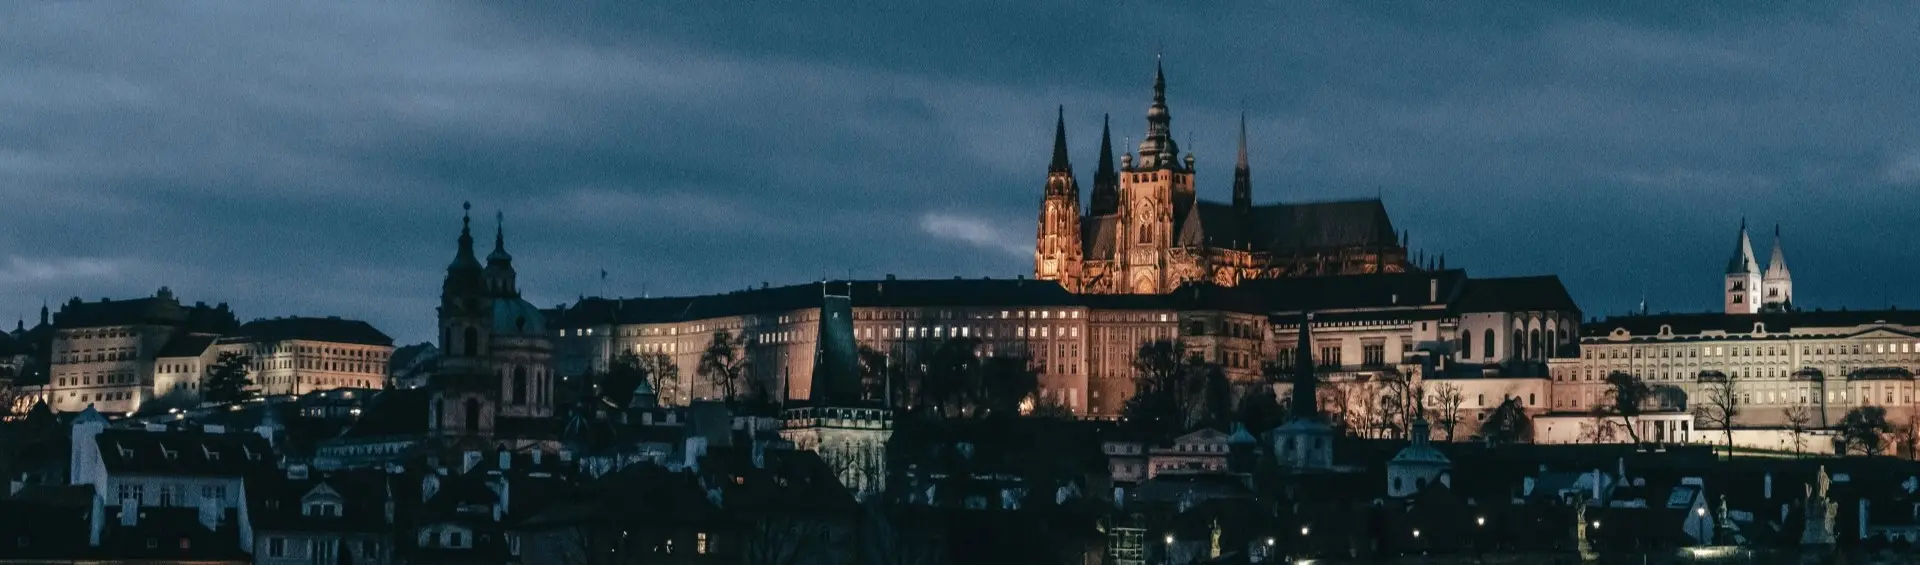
[1146, 232]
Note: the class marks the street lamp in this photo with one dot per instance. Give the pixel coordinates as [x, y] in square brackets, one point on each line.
[1416, 533]
[1480, 521]
[1596, 524]
[1700, 512]
[1304, 530]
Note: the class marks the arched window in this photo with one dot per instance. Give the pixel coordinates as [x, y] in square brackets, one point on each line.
[1487, 347]
[1466, 344]
[1539, 346]
[473, 416]
[1518, 348]
[470, 342]
[520, 384]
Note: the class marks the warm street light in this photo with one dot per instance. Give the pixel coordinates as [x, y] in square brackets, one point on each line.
[1303, 530]
[1269, 542]
[1416, 532]
[1481, 521]
[1169, 539]
[1700, 511]
[1596, 524]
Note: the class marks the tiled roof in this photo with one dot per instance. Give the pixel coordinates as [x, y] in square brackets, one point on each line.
[330, 329]
[1510, 294]
[1392, 290]
[1776, 322]
[362, 498]
[157, 310]
[397, 412]
[187, 345]
[182, 452]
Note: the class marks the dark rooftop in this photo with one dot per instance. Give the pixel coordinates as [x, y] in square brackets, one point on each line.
[331, 330]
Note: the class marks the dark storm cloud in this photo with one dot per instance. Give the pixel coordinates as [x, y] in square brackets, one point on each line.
[310, 159]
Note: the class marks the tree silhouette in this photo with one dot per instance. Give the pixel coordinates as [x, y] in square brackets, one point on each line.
[724, 364]
[227, 379]
[1629, 396]
[1862, 430]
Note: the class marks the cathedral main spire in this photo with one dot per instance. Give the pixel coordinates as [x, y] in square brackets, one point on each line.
[1157, 149]
[1106, 181]
[1242, 174]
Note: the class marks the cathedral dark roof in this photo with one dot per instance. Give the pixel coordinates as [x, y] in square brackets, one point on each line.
[1777, 323]
[1289, 228]
[329, 329]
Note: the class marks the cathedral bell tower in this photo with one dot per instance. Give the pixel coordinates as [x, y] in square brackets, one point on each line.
[1777, 281]
[1742, 285]
[1154, 190]
[1057, 248]
[465, 307]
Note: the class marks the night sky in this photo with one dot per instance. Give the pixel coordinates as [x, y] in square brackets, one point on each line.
[310, 159]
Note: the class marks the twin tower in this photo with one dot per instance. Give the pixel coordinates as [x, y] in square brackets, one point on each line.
[1750, 290]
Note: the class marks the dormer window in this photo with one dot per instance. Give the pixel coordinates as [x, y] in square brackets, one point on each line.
[322, 510]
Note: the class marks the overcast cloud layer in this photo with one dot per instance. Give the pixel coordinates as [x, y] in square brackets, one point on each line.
[311, 158]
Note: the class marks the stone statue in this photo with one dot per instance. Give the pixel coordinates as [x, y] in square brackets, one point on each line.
[1820, 512]
[1580, 528]
[1213, 551]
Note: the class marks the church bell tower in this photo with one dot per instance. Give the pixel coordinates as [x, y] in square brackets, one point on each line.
[1056, 255]
[1154, 190]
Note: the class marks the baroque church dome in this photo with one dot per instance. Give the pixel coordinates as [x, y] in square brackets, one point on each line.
[516, 316]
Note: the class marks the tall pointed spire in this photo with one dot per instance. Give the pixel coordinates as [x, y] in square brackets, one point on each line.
[1158, 149]
[1777, 263]
[1106, 181]
[499, 254]
[1305, 399]
[1060, 162]
[1242, 174]
[1742, 259]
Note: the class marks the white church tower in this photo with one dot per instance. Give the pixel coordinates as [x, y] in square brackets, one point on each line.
[1743, 284]
[1777, 282]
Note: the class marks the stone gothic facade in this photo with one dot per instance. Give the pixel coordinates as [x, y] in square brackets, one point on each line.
[1147, 232]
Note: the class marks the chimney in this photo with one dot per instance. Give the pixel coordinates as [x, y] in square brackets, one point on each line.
[1596, 486]
[506, 460]
[536, 457]
[210, 514]
[1433, 290]
[129, 512]
[97, 519]
[1766, 486]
